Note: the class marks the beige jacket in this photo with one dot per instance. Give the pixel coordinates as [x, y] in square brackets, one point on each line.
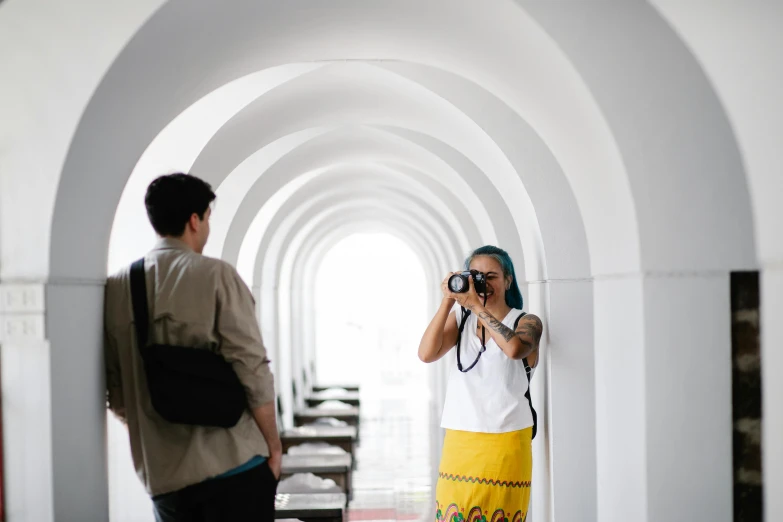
[194, 301]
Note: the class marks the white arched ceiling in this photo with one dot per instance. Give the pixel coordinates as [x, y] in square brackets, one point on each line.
[433, 195]
[436, 231]
[361, 94]
[369, 176]
[333, 207]
[233, 186]
[245, 49]
[337, 146]
[347, 146]
[551, 192]
[351, 182]
[177, 146]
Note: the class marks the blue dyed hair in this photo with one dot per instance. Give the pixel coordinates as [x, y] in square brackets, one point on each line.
[513, 294]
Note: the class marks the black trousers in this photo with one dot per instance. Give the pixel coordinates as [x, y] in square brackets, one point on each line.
[249, 495]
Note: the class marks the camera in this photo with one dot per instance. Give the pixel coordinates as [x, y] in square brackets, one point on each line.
[458, 283]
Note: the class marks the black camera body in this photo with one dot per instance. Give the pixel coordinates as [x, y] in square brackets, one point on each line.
[459, 284]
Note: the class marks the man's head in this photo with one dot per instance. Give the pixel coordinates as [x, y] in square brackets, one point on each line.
[178, 206]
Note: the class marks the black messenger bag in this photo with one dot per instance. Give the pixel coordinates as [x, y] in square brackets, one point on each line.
[187, 385]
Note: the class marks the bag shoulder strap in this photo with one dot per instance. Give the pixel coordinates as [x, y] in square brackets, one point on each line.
[527, 365]
[529, 374]
[141, 318]
[528, 370]
[516, 323]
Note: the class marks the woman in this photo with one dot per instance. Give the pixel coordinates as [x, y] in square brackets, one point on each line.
[486, 465]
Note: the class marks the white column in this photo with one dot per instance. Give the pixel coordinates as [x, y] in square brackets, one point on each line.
[295, 329]
[567, 413]
[619, 416]
[74, 320]
[688, 397]
[663, 377]
[772, 389]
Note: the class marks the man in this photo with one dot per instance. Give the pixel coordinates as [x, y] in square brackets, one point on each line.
[193, 472]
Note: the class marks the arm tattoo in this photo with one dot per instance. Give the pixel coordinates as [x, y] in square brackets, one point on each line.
[530, 327]
[506, 332]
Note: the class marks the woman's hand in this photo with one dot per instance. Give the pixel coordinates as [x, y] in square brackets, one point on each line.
[444, 286]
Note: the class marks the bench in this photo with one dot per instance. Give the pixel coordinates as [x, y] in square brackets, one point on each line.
[342, 436]
[311, 507]
[317, 398]
[335, 467]
[309, 415]
[350, 388]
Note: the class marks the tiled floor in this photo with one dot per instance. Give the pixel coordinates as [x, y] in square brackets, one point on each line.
[393, 479]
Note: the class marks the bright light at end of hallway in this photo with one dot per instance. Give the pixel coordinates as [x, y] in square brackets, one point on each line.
[371, 309]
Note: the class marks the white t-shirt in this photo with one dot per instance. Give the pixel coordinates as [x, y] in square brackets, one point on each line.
[490, 398]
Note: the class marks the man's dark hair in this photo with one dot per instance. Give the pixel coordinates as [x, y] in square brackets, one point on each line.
[172, 199]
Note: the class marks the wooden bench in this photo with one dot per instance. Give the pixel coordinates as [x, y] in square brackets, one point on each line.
[309, 415]
[342, 436]
[350, 388]
[311, 507]
[326, 466]
[317, 398]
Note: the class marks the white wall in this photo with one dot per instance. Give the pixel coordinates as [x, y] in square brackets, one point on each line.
[53, 56]
[26, 391]
[739, 47]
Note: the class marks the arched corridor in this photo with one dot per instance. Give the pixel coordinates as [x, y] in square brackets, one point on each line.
[626, 156]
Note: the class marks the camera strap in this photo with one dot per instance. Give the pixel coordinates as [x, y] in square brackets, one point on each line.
[465, 314]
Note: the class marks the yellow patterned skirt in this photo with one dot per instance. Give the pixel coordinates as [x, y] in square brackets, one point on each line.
[484, 477]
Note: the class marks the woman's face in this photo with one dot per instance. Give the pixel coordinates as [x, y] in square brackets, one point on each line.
[496, 283]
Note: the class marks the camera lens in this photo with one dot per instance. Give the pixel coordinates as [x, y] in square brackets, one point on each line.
[458, 283]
